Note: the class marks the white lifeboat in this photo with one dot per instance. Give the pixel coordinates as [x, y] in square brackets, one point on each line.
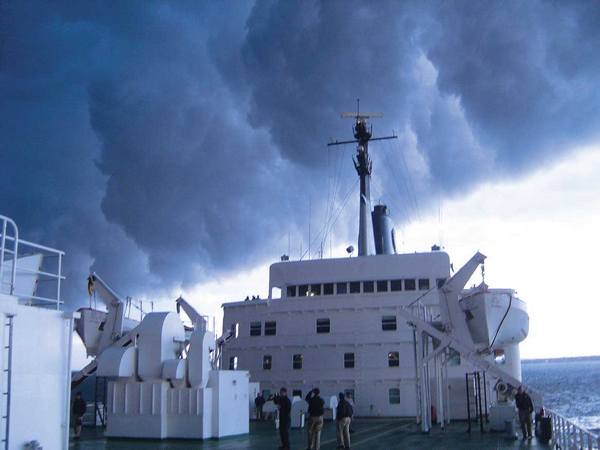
[495, 317]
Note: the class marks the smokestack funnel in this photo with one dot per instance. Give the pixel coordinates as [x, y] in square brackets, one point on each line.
[383, 231]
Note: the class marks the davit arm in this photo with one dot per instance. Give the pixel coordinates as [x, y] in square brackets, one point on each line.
[113, 325]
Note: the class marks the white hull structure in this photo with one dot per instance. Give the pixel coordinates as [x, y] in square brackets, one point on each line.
[35, 346]
[337, 326]
[396, 332]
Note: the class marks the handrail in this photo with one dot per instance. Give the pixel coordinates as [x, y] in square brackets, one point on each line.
[13, 251]
[34, 245]
[566, 435]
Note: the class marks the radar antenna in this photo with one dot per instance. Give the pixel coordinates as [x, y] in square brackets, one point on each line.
[362, 163]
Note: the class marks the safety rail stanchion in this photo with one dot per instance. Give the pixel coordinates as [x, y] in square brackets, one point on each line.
[59, 271]
[3, 251]
[2, 243]
[12, 253]
[568, 435]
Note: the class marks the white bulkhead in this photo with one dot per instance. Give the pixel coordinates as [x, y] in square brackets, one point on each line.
[337, 326]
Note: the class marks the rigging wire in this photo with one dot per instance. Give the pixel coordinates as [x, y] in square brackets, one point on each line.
[411, 185]
[404, 190]
[501, 322]
[337, 184]
[325, 230]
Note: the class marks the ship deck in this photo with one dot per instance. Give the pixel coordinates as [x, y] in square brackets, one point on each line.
[371, 434]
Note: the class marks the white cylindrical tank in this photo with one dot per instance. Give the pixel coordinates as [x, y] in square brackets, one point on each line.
[159, 340]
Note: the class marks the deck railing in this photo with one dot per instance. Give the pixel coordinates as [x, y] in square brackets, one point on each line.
[566, 435]
[48, 276]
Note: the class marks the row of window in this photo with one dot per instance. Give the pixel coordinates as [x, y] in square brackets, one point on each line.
[393, 394]
[364, 287]
[266, 393]
[323, 326]
[297, 361]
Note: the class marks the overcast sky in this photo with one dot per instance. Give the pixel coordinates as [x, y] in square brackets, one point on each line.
[171, 145]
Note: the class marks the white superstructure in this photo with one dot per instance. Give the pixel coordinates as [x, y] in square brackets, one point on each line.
[397, 332]
[35, 347]
[337, 326]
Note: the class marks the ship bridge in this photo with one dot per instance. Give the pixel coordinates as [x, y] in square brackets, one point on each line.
[375, 273]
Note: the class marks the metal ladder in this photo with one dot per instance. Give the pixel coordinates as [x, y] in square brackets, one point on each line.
[100, 387]
[476, 390]
[7, 372]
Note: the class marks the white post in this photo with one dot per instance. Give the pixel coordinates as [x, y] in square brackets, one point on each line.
[58, 281]
[67, 410]
[2, 243]
[447, 388]
[440, 390]
[419, 394]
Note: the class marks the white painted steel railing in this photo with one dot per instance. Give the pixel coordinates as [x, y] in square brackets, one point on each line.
[568, 436]
[11, 249]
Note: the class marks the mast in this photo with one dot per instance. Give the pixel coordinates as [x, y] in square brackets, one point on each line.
[363, 165]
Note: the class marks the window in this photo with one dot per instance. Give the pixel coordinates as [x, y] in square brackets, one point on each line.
[382, 286]
[303, 290]
[255, 328]
[440, 282]
[267, 362]
[235, 330]
[394, 396]
[348, 360]
[396, 285]
[388, 323]
[323, 326]
[355, 287]
[393, 359]
[423, 284]
[349, 393]
[233, 363]
[499, 357]
[291, 291]
[368, 286]
[297, 393]
[297, 361]
[410, 285]
[342, 288]
[315, 289]
[328, 289]
[454, 358]
[270, 328]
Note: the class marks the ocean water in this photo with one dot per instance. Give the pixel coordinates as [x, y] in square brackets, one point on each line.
[571, 387]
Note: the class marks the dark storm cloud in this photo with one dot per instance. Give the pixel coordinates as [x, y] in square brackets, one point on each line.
[163, 143]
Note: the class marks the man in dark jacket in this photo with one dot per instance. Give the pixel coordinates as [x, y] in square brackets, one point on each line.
[525, 407]
[316, 406]
[343, 417]
[259, 402]
[285, 408]
[78, 410]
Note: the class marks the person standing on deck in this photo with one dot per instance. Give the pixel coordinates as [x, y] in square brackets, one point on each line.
[344, 413]
[285, 407]
[315, 425]
[78, 410]
[525, 407]
[259, 402]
